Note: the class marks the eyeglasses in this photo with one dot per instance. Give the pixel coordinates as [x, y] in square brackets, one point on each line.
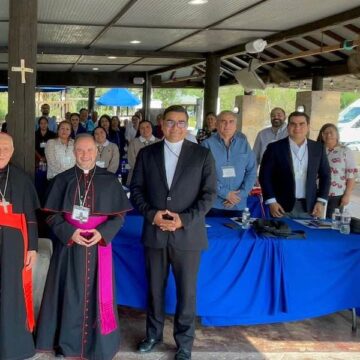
[180, 124]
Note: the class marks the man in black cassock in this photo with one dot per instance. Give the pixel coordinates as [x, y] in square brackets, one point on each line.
[173, 187]
[78, 316]
[18, 246]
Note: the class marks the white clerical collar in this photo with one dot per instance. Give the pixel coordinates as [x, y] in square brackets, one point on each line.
[143, 140]
[85, 171]
[174, 145]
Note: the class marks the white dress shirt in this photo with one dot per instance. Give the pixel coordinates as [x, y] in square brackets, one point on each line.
[300, 159]
[171, 157]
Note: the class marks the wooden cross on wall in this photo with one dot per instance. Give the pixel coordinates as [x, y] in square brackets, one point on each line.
[22, 69]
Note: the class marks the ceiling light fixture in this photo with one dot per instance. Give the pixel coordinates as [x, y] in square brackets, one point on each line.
[111, 57]
[135, 42]
[197, 2]
[95, 69]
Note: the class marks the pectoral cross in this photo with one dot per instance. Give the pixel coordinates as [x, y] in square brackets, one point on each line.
[81, 218]
[4, 203]
[22, 69]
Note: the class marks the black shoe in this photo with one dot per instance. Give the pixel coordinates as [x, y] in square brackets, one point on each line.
[183, 354]
[147, 345]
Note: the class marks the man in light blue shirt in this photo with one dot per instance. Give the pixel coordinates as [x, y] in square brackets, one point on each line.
[235, 165]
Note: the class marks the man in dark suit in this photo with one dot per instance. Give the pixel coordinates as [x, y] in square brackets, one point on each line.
[173, 186]
[294, 173]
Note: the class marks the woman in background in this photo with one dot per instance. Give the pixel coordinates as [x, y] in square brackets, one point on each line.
[108, 153]
[343, 168]
[209, 129]
[146, 138]
[42, 135]
[59, 152]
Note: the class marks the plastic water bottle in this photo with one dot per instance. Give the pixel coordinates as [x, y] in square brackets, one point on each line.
[42, 165]
[345, 222]
[123, 170]
[245, 219]
[336, 219]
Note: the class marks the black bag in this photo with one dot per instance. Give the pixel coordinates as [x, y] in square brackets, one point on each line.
[277, 228]
[355, 225]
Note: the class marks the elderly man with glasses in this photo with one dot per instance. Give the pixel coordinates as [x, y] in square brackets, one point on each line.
[173, 186]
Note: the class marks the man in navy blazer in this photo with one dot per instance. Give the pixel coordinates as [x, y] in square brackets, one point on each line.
[295, 173]
[173, 187]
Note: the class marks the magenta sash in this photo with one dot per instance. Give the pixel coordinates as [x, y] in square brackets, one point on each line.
[105, 276]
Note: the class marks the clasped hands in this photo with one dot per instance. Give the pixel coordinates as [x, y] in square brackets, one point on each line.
[163, 220]
[232, 199]
[81, 240]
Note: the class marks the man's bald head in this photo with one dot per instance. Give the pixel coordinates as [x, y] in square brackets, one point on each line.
[6, 149]
[85, 151]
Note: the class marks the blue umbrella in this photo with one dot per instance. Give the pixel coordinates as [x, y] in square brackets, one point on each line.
[118, 97]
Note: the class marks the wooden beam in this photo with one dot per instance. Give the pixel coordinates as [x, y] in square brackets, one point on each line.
[288, 53]
[174, 67]
[116, 52]
[322, 50]
[334, 36]
[21, 99]
[85, 79]
[300, 47]
[299, 31]
[353, 28]
[321, 43]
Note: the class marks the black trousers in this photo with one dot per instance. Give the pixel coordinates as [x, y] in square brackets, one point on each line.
[333, 203]
[185, 266]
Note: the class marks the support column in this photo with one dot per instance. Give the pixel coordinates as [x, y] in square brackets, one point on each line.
[146, 97]
[212, 80]
[21, 100]
[91, 100]
[253, 115]
[322, 107]
[317, 82]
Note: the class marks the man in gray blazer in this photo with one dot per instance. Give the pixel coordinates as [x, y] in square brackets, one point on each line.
[173, 187]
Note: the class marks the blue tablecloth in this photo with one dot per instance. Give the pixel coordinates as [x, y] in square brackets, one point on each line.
[245, 279]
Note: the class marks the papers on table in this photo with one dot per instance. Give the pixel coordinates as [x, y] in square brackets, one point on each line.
[314, 223]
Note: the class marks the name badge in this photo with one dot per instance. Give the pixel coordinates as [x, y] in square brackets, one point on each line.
[100, 163]
[42, 145]
[80, 213]
[228, 171]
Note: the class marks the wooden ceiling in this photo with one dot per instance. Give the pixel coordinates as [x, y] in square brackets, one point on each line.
[90, 42]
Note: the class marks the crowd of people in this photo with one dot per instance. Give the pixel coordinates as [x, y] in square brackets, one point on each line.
[174, 183]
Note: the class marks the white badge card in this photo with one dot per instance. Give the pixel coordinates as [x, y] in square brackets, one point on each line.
[100, 163]
[42, 145]
[80, 213]
[228, 171]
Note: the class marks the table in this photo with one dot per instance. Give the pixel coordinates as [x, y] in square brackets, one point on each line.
[244, 279]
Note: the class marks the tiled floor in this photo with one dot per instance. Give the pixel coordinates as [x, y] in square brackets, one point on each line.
[328, 337]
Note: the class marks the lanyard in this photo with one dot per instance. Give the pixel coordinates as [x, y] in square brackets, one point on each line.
[4, 202]
[173, 152]
[81, 202]
[6, 183]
